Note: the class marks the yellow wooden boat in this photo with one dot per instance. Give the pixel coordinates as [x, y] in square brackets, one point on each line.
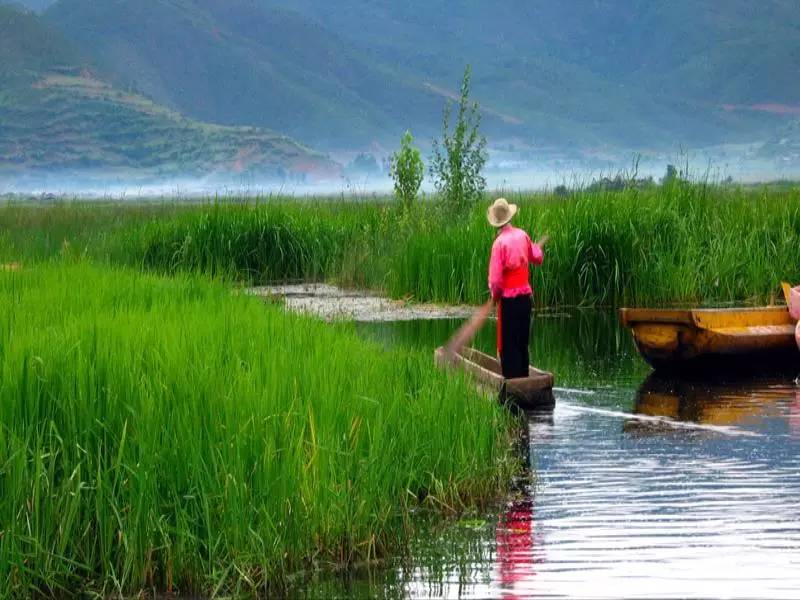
[676, 338]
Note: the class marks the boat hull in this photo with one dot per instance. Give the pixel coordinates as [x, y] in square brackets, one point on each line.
[532, 393]
[719, 338]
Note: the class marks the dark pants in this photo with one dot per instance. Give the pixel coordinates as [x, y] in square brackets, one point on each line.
[515, 330]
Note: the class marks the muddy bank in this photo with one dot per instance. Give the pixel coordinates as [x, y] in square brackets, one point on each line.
[333, 303]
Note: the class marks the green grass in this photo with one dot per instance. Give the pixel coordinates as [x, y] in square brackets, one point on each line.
[678, 244]
[167, 433]
[674, 244]
[32, 233]
[271, 241]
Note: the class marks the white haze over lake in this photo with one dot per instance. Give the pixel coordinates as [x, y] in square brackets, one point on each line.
[505, 172]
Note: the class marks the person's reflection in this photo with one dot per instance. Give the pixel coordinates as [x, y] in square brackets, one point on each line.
[514, 537]
[794, 415]
[515, 549]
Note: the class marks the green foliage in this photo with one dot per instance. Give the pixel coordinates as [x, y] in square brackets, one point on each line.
[267, 242]
[407, 171]
[460, 156]
[680, 243]
[168, 434]
[662, 245]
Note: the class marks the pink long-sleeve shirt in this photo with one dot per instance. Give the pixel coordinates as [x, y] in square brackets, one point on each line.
[512, 249]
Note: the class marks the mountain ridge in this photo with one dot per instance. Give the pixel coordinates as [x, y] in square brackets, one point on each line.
[625, 74]
[57, 113]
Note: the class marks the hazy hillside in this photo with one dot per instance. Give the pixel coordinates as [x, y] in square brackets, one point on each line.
[632, 73]
[37, 5]
[57, 114]
[626, 69]
[239, 62]
[736, 51]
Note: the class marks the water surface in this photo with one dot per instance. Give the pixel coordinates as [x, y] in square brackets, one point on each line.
[645, 487]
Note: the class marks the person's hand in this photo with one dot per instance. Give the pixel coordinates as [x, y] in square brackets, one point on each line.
[543, 240]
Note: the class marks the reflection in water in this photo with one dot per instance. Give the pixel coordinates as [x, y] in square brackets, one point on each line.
[689, 514]
[794, 415]
[583, 348]
[515, 549]
[720, 402]
[648, 490]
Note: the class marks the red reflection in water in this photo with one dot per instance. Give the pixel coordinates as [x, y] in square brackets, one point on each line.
[515, 550]
[794, 415]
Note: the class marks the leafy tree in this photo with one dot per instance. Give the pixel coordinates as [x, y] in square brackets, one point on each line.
[670, 176]
[561, 191]
[364, 163]
[407, 171]
[459, 158]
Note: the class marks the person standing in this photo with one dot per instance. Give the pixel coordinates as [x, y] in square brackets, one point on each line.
[509, 284]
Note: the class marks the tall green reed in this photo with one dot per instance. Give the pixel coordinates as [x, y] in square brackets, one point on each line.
[678, 243]
[262, 242]
[675, 244]
[33, 232]
[166, 433]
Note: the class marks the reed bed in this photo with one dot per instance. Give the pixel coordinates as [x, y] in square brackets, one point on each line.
[32, 232]
[167, 434]
[681, 243]
[264, 242]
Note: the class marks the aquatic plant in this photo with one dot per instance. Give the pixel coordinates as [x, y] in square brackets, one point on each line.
[166, 433]
[680, 243]
[676, 243]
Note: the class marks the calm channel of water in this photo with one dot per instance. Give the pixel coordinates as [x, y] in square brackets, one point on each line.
[644, 487]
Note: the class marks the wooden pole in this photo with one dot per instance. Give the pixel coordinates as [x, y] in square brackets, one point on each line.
[467, 331]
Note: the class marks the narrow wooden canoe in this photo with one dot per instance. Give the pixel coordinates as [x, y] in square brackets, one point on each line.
[531, 393]
[674, 338]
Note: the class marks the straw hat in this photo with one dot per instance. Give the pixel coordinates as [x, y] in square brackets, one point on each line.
[501, 212]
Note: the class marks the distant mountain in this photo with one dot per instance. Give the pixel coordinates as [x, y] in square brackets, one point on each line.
[631, 71]
[784, 147]
[583, 73]
[56, 113]
[239, 62]
[37, 5]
